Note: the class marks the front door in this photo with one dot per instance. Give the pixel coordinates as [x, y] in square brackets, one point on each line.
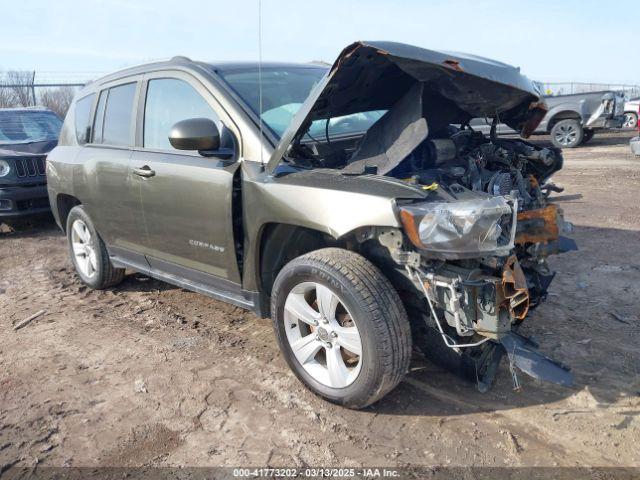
[186, 198]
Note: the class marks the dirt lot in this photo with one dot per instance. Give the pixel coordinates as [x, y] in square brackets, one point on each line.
[150, 374]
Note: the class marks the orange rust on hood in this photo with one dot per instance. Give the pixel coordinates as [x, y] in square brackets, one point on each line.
[453, 64]
[539, 225]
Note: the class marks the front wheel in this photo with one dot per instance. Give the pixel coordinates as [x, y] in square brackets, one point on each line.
[567, 133]
[341, 326]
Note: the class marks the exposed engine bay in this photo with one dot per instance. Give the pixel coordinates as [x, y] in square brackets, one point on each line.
[474, 250]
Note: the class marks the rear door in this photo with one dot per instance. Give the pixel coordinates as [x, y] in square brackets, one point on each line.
[105, 185]
[186, 197]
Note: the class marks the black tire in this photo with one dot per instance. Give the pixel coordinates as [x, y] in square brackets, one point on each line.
[588, 135]
[377, 312]
[106, 275]
[567, 133]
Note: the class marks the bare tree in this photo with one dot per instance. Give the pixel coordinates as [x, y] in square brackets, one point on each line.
[6, 97]
[57, 99]
[21, 86]
[17, 89]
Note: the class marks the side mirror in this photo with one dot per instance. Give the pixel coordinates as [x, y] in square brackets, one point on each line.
[195, 134]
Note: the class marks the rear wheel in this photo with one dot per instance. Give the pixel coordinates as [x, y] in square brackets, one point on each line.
[341, 326]
[89, 253]
[567, 133]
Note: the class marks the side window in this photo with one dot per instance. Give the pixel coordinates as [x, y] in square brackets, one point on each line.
[83, 118]
[169, 101]
[114, 126]
[99, 119]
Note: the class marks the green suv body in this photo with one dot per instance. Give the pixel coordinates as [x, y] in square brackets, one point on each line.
[352, 205]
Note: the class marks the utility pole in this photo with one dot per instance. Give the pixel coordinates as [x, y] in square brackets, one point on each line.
[33, 88]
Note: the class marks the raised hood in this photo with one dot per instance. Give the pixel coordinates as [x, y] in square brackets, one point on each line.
[423, 89]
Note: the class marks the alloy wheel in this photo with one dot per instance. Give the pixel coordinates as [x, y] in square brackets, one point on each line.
[84, 253]
[323, 335]
[566, 135]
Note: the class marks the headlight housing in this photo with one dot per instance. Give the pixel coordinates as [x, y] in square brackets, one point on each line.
[5, 168]
[462, 229]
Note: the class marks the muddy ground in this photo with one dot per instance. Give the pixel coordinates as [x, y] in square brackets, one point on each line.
[150, 374]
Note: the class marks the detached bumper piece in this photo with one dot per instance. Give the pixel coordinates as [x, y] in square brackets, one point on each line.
[522, 356]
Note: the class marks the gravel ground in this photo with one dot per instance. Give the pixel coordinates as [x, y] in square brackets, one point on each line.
[147, 374]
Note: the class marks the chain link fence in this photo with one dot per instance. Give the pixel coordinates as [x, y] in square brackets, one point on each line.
[51, 90]
[567, 88]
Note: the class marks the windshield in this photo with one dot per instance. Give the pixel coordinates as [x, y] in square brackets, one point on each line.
[24, 126]
[284, 90]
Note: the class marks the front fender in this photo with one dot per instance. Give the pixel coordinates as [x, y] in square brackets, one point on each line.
[325, 201]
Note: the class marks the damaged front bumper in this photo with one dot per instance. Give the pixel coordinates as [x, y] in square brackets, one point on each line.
[486, 310]
[477, 304]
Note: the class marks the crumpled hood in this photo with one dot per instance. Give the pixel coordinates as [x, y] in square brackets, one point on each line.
[371, 76]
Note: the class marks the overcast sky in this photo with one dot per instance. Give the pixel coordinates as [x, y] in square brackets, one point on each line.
[562, 40]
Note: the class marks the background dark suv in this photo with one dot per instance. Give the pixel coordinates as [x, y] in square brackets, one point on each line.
[26, 136]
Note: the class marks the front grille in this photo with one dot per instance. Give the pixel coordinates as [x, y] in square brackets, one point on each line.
[30, 166]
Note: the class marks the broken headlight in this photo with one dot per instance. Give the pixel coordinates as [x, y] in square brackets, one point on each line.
[462, 229]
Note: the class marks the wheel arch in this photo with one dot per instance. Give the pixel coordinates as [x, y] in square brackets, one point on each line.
[563, 115]
[64, 204]
[279, 243]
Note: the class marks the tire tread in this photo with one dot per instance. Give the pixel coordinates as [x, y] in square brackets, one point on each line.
[382, 303]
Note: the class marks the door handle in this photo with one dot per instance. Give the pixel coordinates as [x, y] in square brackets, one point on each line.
[145, 172]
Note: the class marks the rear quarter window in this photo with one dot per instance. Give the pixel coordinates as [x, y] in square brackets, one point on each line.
[83, 118]
[114, 125]
[99, 119]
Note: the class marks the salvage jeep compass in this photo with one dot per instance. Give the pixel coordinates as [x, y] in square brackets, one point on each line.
[354, 205]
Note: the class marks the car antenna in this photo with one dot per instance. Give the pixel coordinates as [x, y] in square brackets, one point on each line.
[260, 82]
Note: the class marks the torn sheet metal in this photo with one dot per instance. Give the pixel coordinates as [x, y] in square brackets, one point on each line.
[606, 107]
[514, 289]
